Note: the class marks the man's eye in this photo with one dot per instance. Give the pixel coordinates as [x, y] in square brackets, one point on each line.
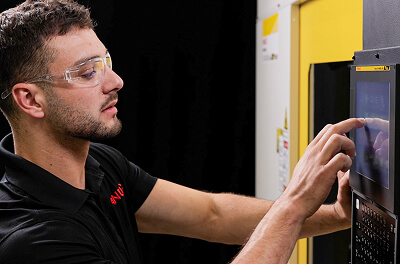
[88, 73]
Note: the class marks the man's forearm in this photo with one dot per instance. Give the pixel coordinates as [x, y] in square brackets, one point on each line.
[324, 221]
[236, 217]
[242, 214]
[274, 238]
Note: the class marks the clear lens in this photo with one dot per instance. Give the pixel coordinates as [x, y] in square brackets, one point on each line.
[89, 73]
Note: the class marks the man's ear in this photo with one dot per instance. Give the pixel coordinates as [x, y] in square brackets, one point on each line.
[30, 99]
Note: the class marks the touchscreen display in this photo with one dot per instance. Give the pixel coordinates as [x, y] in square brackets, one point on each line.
[372, 140]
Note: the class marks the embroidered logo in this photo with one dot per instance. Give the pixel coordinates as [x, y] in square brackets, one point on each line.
[119, 193]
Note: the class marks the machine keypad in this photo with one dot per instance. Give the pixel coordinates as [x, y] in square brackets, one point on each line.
[373, 235]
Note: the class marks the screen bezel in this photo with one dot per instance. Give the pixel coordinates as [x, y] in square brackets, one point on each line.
[373, 190]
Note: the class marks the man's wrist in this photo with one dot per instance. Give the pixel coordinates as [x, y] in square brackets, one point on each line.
[341, 218]
[291, 208]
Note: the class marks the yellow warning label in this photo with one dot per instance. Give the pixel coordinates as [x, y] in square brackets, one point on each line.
[373, 68]
[270, 25]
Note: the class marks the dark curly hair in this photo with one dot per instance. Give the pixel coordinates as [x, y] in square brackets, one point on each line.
[24, 33]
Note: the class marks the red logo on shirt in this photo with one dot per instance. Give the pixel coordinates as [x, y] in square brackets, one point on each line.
[119, 193]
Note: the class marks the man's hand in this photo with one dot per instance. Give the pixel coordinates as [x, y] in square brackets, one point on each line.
[331, 217]
[318, 168]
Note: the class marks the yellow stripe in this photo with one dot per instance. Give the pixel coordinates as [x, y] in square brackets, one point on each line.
[373, 68]
[330, 30]
[303, 251]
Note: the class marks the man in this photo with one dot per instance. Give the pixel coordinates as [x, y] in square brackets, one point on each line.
[64, 199]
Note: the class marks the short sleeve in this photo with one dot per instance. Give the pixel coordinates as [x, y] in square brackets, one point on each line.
[138, 182]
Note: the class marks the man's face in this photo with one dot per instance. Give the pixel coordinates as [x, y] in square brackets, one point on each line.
[82, 112]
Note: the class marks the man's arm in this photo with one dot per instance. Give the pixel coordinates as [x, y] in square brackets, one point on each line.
[178, 210]
[225, 218]
[313, 177]
[174, 209]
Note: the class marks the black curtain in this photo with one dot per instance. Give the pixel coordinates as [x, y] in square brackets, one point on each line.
[188, 103]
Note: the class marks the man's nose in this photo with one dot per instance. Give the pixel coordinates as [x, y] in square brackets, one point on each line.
[112, 81]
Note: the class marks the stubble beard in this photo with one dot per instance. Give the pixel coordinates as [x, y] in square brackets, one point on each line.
[79, 124]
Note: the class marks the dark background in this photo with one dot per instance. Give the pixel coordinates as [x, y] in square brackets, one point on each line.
[188, 104]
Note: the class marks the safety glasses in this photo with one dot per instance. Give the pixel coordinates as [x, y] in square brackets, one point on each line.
[86, 74]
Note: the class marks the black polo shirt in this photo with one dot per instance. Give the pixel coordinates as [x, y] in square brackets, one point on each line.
[45, 220]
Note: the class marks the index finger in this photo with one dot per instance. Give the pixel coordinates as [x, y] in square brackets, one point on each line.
[350, 124]
[342, 128]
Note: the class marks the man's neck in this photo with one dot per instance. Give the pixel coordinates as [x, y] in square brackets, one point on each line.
[64, 158]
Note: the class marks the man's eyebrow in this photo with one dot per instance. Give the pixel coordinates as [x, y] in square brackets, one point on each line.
[87, 58]
[83, 60]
